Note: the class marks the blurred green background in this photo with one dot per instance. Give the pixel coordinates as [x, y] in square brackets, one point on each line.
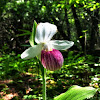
[76, 20]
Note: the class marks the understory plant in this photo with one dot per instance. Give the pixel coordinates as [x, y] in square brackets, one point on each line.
[48, 53]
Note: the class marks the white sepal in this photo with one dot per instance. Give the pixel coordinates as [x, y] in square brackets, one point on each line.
[31, 52]
[61, 44]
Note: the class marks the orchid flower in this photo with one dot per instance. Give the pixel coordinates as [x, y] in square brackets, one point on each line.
[46, 49]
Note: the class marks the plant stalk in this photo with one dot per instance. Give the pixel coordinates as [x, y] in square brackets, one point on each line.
[44, 83]
[43, 70]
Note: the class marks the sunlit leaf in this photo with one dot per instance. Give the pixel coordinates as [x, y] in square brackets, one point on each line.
[77, 93]
[43, 9]
[58, 5]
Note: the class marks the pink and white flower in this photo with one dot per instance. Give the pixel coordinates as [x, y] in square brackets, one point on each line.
[46, 49]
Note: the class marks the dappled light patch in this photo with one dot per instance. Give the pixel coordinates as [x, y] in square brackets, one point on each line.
[5, 81]
[24, 84]
[9, 96]
[51, 84]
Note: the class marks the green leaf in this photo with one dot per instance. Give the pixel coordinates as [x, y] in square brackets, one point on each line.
[43, 9]
[25, 45]
[26, 32]
[77, 93]
[70, 1]
[32, 37]
[59, 5]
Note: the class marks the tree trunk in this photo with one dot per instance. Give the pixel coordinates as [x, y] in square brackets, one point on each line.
[60, 29]
[94, 35]
[78, 27]
[68, 24]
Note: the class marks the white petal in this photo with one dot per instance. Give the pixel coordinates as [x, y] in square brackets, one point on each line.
[61, 44]
[45, 32]
[31, 52]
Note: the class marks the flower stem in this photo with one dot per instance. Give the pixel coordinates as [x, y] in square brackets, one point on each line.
[43, 70]
[44, 84]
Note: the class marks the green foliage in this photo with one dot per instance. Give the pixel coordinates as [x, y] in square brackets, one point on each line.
[26, 32]
[5, 90]
[74, 64]
[31, 97]
[77, 93]
[16, 21]
[12, 65]
[76, 70]
[87, 4]
[19, 15]
[95, 81]
[32, 37]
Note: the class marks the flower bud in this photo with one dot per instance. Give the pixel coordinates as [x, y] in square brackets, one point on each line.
[51, 60]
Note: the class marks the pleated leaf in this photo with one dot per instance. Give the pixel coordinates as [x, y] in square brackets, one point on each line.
[32, 37]
[77, 93]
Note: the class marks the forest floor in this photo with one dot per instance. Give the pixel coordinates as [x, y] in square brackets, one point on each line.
[15, 89]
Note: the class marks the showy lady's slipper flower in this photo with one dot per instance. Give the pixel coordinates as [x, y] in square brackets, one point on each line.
[46, 49]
